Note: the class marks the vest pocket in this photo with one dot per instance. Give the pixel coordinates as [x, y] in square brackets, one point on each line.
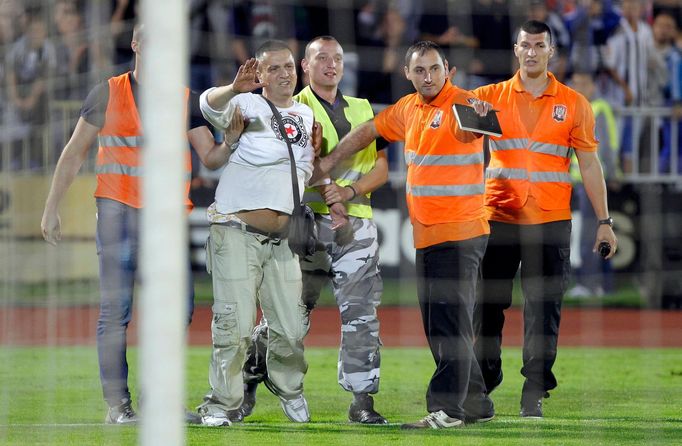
[553, 195]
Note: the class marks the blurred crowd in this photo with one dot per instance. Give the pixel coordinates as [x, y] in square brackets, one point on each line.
[52, 51]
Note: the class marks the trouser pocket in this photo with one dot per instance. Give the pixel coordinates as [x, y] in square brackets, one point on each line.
[209, 255]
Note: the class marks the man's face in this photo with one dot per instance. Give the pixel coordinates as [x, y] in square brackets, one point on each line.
[631, 9]
[427, 73]
[324, 63]
[664, 29]
[278, 70]
[533, 52]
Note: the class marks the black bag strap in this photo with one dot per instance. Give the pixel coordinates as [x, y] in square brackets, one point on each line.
[292, 163]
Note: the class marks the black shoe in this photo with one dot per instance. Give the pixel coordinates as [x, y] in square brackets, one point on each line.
[121, 414]
[192, 417]
[249, 399]
[531, 405]
[235, 416]
[479, 409]
[362, 410]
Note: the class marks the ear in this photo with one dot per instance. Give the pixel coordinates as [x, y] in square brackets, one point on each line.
[551, 51]
[134, 45]
[407, 72]
[304, 65]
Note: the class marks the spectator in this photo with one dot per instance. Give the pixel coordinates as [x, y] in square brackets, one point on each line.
[492, 28]
[72, 50]
[590, 25]
[121, 26]
[629, 58]
[594, 276]
[30, 62]
[665, 31]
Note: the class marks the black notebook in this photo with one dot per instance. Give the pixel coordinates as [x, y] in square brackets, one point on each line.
[468, 119]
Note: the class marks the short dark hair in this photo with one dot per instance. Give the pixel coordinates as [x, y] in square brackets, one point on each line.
[537, 27]
[421, 48]
[272, 45]
[315, 39]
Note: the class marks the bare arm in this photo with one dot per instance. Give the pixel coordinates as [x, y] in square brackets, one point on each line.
[356, 140]
[69, 164]
[593, 180]
[244, 81]
[212, 154]
[369, 182]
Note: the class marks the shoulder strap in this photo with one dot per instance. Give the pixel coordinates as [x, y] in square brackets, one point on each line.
[292, 163]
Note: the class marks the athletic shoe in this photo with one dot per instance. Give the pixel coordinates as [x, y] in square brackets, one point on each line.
[296, 409]
[249, 399]
[235, 416]
[121, 414]
[215, 420]
[531, 405]
[435, 420]
[192, 417]
[362, 411]
[478, 410]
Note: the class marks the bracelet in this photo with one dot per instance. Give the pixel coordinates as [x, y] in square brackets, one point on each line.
[355, 193]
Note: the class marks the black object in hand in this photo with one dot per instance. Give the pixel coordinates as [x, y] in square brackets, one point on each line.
[604, 249]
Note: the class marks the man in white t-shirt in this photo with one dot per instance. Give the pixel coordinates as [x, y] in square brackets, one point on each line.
[247, 254]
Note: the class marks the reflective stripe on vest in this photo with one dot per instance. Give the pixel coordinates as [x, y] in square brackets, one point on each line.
[454, 190]
[550, 177]
[505, 173]
[508, 144]
[312, 195]
[119, 157]
[411, 157]
[120, 141]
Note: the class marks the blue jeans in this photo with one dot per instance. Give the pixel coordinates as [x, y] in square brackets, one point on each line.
[117, 247]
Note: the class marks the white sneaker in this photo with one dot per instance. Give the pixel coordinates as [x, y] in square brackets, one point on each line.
[215, 420]
[296, 410]
[435, 420]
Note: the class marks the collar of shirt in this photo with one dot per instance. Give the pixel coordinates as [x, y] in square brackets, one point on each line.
[339, 100]
[440, 99]
[552, 85]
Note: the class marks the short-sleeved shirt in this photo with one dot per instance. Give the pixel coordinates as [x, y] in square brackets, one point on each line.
[94, 107]
[400, 122]
[530, 111]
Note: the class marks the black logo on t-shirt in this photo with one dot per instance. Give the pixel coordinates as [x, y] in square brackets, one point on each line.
[293, 127]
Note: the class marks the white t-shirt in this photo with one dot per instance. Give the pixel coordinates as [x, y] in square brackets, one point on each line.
[258, 175]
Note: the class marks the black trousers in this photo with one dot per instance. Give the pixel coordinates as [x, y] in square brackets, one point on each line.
[543, 252]
[447, 275]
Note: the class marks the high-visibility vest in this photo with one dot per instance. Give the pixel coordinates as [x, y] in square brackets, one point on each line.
[350, 170]
[119, 158]
[601, 107]
[537, 163]
[444, 163]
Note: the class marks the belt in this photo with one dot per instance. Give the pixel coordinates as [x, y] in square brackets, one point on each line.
[249, 228]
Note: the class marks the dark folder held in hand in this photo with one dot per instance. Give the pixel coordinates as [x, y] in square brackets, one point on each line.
[468, 119]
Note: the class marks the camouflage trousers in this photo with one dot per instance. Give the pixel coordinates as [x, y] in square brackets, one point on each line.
[353, 270]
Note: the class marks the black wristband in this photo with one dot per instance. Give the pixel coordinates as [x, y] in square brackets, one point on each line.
[355, 193]
[606, 221]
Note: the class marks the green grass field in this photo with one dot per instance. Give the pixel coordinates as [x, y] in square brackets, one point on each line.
[605, 397]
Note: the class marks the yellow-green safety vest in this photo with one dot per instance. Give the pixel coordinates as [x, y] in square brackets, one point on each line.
[350, 170]
[600, 107]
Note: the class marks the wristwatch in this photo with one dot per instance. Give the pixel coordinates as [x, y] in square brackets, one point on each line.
[606, 221]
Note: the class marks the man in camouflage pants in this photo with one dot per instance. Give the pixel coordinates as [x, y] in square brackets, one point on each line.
[348, 256]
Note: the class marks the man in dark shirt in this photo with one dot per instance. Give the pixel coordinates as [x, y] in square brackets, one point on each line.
[110, 114]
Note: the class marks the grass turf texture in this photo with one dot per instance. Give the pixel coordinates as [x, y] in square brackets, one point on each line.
[605, 397]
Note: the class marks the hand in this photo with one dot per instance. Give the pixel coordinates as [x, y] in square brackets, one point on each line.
[246, 79]
[317, 138]
[339, 216]
[50, 226]
[333, 193]
[605, 234]
[235, 127]
[482, 107]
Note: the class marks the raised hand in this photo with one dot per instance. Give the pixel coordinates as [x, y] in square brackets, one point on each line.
[246, 79]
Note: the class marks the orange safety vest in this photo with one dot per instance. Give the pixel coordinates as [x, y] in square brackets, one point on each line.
[535, 163]
[119, 158]
[444, 163]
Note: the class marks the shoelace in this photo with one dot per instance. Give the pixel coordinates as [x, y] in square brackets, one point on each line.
[127, 412]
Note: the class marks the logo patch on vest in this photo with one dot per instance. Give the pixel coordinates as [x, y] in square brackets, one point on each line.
[437, 119]
[293, 127]
[559, 113]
